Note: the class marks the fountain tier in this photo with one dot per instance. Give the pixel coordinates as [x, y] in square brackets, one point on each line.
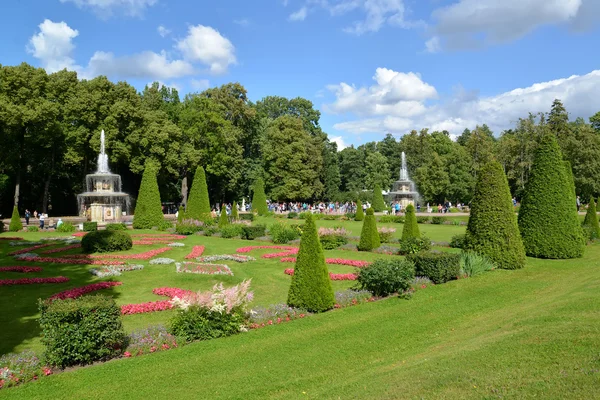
[403, 190]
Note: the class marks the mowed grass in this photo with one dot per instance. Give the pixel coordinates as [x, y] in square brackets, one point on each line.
[532, 333]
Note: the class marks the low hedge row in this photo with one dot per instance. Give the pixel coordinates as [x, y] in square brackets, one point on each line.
[440, 267]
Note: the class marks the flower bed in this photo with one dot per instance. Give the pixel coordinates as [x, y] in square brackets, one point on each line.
[274, 314]
[152, 306]
[338, 261]
[30, 249]
[282, 254]
[33, 281]
[20, 269]
[114, 270]
[176, 244]
[332, 276]
[196, 252]
[61, 249]
[150, 340]
[347, 298]
[162, 261]
[18, 368]
[11, 238]
[204, 269]
[80, 291]
[139, 256]
[226, 257]
[164, 236]
[248, 249]
[80, 260]
[79, 234]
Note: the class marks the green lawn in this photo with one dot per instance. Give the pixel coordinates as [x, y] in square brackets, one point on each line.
[507, 334]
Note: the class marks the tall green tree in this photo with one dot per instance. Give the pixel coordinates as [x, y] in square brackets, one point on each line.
[411, 228]
[590, 223]
[378, 202]
[259, 199]
[376, 171]
[198, 206]
[148, 208]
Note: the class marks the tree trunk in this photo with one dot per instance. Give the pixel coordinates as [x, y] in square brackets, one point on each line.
[19, 166]
[184, 191]
[47, 185]
[17, 185]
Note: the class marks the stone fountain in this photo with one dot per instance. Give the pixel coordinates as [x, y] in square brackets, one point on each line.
[103, 201]
[403, 190]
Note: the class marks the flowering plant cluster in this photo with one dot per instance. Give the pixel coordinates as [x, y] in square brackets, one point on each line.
[111, 270]
[17, 368]
[274, 314]
[347, 298]
[79, 234]
[176, 244]
[150, 340]
[421, 282]
[386, 250]
[248, 249]
[226, 257]
[332, 276]
[204, 269]
[196, 252]
[65, 239]
[20, 269]
[386, 234]
[23, 243]
[80, 291]
[162, 236]
[11, 238]
[291, 252]
[25, 255]
[80, 260]
[61, 249]
[139, 256]
[332, 232]
[30, 249]
[161, 260]
[338, 261]
[32, 281]
[219, 299]
[152, 306]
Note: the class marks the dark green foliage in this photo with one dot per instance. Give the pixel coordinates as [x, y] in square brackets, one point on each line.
[378, 202]
[259, 199]
[1, 226]
[81, 331]
[331, 242]
[189, 227]
[423, 219]
[386, 276]
[438, 220]
[90, 226]
[32, 228]
[411, 228]
[106, 241]
[116, 227]
[311, 288]
[180, 214]
[414, 245]
[369, 237]
[165, 225]
[440, 267]
[199, 323]
[548, 218]
[458, 241]
[590, 223]
[234, 212]
[148, 209]
[231, 230]
[15, 221]
[360, 214]
[223, 219]
[492, 230]
[253, 232]
[397, 219]
[66, 227]
[292, 215]
[198, 206]
[283, 233]
[246, 217]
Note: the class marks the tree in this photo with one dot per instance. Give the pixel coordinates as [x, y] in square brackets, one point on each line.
[369, 237]
[390, 149]
[15, 221]
[331, 177]
[223, 218]
[148, 208]
[180, 214]
[360, 214]
[548, 215]
[198, 206]
[492, 229]
[234, 212]
[595, 121]
[590, 223]
[411, 227]
[352, 169]
[377, 171]
[378, 202]
[259, 199]
[311, 288]
[432, 180]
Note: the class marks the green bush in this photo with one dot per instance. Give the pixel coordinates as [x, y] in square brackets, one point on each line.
[148, 208]
[66, 227]
[492, 230]
[246, 217]
[292, 215]
[360, 214]
[210, 230]
[259, 199]
[590, 223]
[378, 202]
[386, 276]
[423, 219]
[198, 205]
[189, 227]
[253, 232]
[414, 245]
[329, 217]
[164, 225]
[106, 241]
[231, 231]
[438, 220]
[235, 215]
[15, 221]
[200, 323]
[180, 214]
[90, 226]
[397, 219]
[33, 228]
[283, 233]
[311, 288]
[458, 241]
[81, 331]
[116, 227]
[548, 218]
[411, 227]
[438, 266]
[331, 242]
[369, 237]
[1, 226]
[223, 219]
[473, 264]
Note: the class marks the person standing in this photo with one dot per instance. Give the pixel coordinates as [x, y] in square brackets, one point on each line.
[578, 203]
[42, 220]
[27, 216]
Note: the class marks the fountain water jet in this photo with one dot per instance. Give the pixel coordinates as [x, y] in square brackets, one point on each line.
[403, 190]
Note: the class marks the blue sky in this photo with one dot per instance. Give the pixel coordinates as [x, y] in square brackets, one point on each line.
[370, 66]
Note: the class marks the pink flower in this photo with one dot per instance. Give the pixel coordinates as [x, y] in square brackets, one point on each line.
[20, 269]
[332, 276]
[248, 249]
[152, 349]
[32, 281]
[196, 252]
[80, 291]
[30, 249]
[61, 249]
[127, 354]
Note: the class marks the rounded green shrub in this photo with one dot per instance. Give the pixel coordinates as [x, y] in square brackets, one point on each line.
[311, 288]
[378, 202]
[231, 231]
[90, 226]
[198, 205]
[414, 245]
[200, 323]
[360, 214]
[66, 227]
[283, 233]
[223, 219]
[106, 241]
[119, 226]
[15, 221]
[148, 209]
[386, 276]
[590, 223]
[253, 232]
[259, 198]
[369, 237]
[411, 228]
[548, 218]
[492, 230]
[440, 267]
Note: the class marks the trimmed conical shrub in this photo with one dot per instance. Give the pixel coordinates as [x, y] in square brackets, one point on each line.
[259, 199]
[369, 237]
[311, 288]
[360, 214]
[180, 214]
[590, 223]
[378, 202]
[15, 221]
[223, 219]
[492, 230]
[148, 209]
[198, 206]
[234, 212]
[548, 218]
[411, 228]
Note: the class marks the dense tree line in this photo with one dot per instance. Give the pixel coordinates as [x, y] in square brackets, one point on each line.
[50, 137]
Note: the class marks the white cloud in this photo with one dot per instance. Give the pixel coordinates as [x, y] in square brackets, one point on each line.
[106, 8]
[162, 31]
[341, 145]
[299, 15]
[200, 84]
[53, 46]
[467, 109]
[206, 45]
[433, 45]
[147, 64]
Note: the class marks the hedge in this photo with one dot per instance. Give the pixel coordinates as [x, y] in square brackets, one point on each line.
[148, 209]
[369, 237]
[311, 287]
[590, 223]
[259, 199]
[411, 228]
[15, 221]
[440, 267]
[106, 241]
[253, 232]
[492, 229]
[387, 276]
[119, 226]
[198, 205]
[378, 202]
[90, 226]
[360, 214]
[180, 214]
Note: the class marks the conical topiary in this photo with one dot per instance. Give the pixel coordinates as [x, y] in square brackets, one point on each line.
[378, 202]
[15, 221]
[492, 230]
[548, 218]
[180, 214]
[311, 288]
[360, 214]
[411, 228]
[148, 209]
[198, 206]
[590, 223]
[234, 212]
[259, 199]
[223, 219]
[369, 237]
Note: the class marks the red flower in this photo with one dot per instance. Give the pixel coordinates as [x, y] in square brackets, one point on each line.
[127, 354]
[32, 281]
[20, 269]
[248, 249]
[80, 291]
[30, 249]
[61, 249]
[196, 252]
